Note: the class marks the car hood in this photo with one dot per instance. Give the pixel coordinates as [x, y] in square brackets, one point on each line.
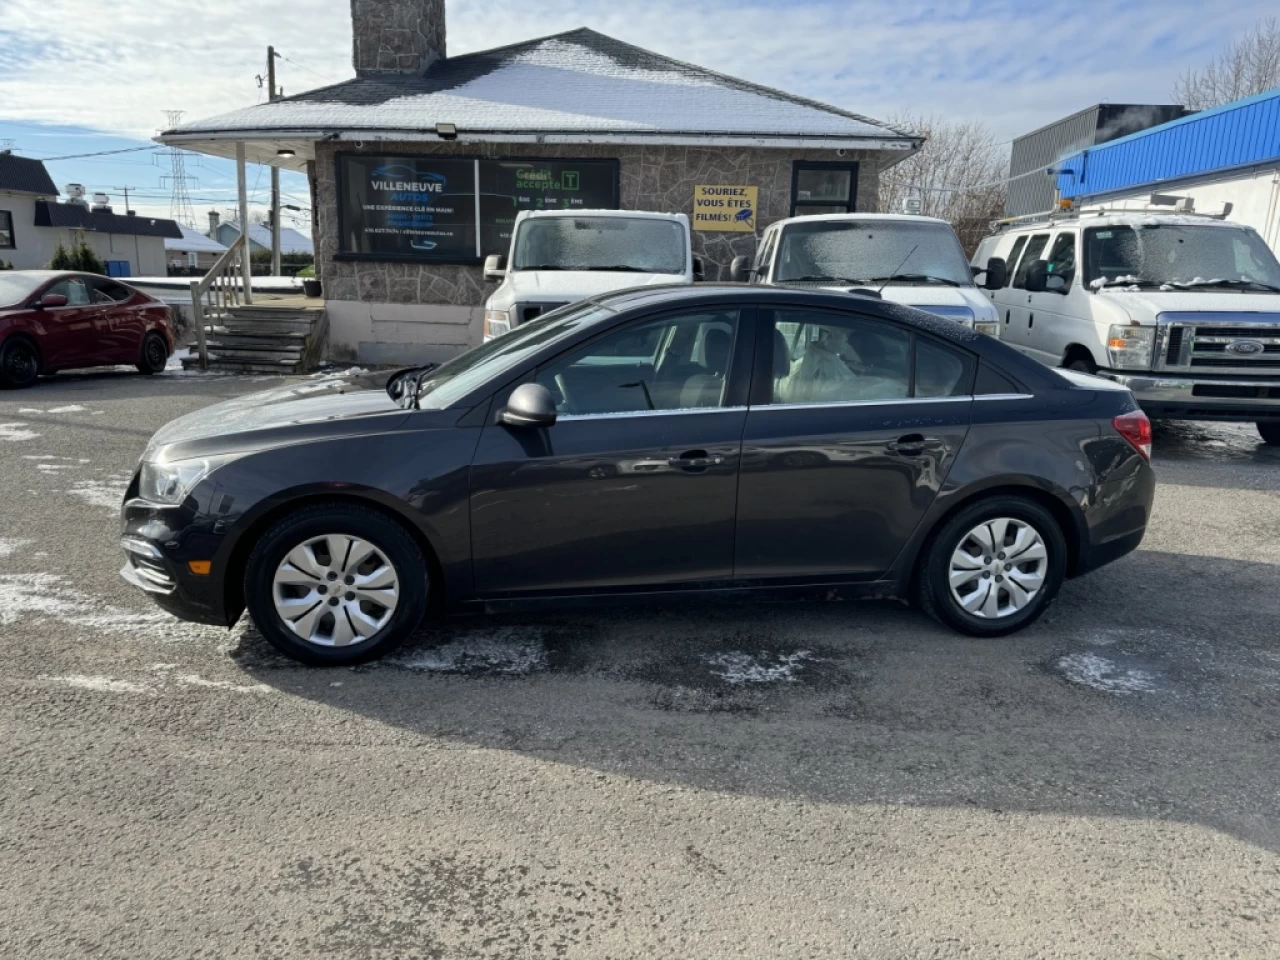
[327, 406]
[1145, 305]
[557, 285]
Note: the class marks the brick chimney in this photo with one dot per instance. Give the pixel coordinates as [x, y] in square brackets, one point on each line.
[396, 36]
[214, 220]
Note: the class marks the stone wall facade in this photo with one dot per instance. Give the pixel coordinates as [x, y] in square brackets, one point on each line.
[652, 178]
[396, 36]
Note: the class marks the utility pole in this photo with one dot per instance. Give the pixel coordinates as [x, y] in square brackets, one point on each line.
[125, 191]
[273, 94]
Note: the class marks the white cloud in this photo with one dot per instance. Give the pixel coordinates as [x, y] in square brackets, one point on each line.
[1013, 64]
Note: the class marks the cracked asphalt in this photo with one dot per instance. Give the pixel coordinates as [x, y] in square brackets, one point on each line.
[828, 780]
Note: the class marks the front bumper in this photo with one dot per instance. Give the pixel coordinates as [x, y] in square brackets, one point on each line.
[1199, 398]
[158, 543]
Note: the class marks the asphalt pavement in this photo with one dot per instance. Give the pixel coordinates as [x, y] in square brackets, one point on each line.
[823, 780]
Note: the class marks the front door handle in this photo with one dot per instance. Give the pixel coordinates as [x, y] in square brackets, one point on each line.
[695, 460]
[913, 444]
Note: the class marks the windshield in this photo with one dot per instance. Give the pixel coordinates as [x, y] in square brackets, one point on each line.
[450, 382]
[860, 251]
[1159, 253]
[16, 287]
[634, 244]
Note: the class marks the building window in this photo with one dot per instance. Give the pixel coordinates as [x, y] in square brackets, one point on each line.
[7, 241]
[823, 188]
[193, 258]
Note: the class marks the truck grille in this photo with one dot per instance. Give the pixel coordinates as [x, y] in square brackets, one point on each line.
[530, 311]
[1208, 347]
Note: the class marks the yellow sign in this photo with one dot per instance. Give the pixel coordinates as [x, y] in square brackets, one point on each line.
[728, 209]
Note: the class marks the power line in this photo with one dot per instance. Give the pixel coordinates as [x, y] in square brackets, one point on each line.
[105, 153]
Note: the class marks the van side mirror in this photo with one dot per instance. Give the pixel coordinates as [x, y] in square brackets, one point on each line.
[50, 300]
[997, 274]
[530, 405]
[740, 270]
[1038, 277]
[495, 268]
[699, 270]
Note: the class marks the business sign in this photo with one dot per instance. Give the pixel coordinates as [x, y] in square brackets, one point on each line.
[727, 209]
[509, 186]
[456, 210]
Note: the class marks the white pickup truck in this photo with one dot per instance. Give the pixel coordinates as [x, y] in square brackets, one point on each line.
[560, 256]
[912, 260]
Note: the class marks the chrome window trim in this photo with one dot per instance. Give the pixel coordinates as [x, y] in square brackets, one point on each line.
[1006, 396]
[967, 398]
[861, 403]
[684, 412]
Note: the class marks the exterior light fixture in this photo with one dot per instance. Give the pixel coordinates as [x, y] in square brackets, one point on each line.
[446, 131]
[286, 154]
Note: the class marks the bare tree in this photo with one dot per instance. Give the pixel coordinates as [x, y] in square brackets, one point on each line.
[959, 176]
[1248, 66]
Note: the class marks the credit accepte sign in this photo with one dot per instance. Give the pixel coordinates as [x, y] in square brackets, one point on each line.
[728, 209]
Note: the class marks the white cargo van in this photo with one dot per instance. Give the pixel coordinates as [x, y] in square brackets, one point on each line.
[560, 256]
[1184, 310]
[916, 261]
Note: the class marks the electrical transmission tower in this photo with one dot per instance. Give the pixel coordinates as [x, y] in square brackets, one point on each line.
[180, 204]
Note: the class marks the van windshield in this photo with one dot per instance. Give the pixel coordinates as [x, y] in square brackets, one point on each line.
[865, 251]
[624, 244]
[1196, 256]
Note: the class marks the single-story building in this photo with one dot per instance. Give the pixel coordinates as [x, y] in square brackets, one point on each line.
[291, 240]
[33, 223]
[192, 252]
[419, 164]
[1227, 155]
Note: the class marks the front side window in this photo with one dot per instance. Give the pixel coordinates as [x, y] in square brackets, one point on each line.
[7, 241]
[74, 289]
[614, 244]
[1062, 262]
[1194, 255]
[679, 362]
[872, 251]
[824, 188]
[1034, 248]
[1012, 262]
[833, 358]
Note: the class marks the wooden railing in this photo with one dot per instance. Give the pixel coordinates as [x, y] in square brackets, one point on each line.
[214, 294]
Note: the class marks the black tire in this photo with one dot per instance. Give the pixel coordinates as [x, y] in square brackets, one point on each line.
[387, 535]
[19, 363]
[1270, 431]
[933, 588]
[154, 354]
[1083, 365]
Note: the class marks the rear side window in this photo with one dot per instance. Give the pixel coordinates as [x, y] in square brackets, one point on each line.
[1034, 248]
[941, 371]
[992, 382]
[821, 357]
[104, 291]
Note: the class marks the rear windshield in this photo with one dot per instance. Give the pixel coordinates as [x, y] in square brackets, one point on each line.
[16, 287]
[623, 244]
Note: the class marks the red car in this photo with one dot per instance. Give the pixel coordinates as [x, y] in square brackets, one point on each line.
[52, 320]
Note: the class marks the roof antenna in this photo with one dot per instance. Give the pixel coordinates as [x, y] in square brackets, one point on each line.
[898, 271]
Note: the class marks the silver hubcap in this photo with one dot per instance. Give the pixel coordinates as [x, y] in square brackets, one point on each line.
[998, 568]
[335, 590]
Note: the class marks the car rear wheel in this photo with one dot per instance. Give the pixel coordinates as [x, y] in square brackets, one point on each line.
[1270, 431]
[155, 354]
[338, 584]
[994, 567]
[19, 364]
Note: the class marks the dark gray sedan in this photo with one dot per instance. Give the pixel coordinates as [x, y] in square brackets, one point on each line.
[657, 442]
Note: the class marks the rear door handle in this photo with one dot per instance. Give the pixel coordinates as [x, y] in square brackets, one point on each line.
[913, 444]
[695, 460]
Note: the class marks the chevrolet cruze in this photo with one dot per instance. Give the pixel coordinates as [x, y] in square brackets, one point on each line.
[716, 439]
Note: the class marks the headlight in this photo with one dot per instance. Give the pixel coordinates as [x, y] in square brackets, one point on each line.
[990, 327]
[171, 482]
[496, 323]
[1130, 348]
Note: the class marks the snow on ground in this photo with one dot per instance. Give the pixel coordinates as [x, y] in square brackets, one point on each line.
[1099, 673]
[13, 432]
[11, 545]
[107, 494]
[100, 684]
[69, 408]
[506, 651]
[740, 668]
[195, 680]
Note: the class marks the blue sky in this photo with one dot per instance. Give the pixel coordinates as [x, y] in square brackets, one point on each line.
[74, 82]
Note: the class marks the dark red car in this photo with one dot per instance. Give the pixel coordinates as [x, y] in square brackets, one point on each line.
[51, 320]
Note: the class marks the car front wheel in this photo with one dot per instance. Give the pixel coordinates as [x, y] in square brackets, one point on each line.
[19, 364]
[333, 585]
[994, 567]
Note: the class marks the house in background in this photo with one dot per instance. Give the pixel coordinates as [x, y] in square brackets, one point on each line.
[33, 223]
[291, 241]
[194, 252]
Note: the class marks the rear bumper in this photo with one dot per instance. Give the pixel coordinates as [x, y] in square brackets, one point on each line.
[1200, 398]
[1118, 515]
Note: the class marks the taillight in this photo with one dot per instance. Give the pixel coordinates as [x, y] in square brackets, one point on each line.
[1136, 428]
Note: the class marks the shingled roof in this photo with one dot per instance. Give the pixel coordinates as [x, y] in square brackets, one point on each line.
[76, 217]
[25, 175]
[570, 86]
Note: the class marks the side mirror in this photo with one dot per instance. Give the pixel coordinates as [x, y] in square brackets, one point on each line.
[495, 268]
[530, 405]
[50, 300]
[740, 270]
[1038, 277]
[997, 274]
[699, 270]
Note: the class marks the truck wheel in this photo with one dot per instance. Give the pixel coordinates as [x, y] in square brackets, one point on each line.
[1083, 365]
[1270, 430]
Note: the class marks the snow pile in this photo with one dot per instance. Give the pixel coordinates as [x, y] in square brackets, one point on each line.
[1099, 673]
[740, 668]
